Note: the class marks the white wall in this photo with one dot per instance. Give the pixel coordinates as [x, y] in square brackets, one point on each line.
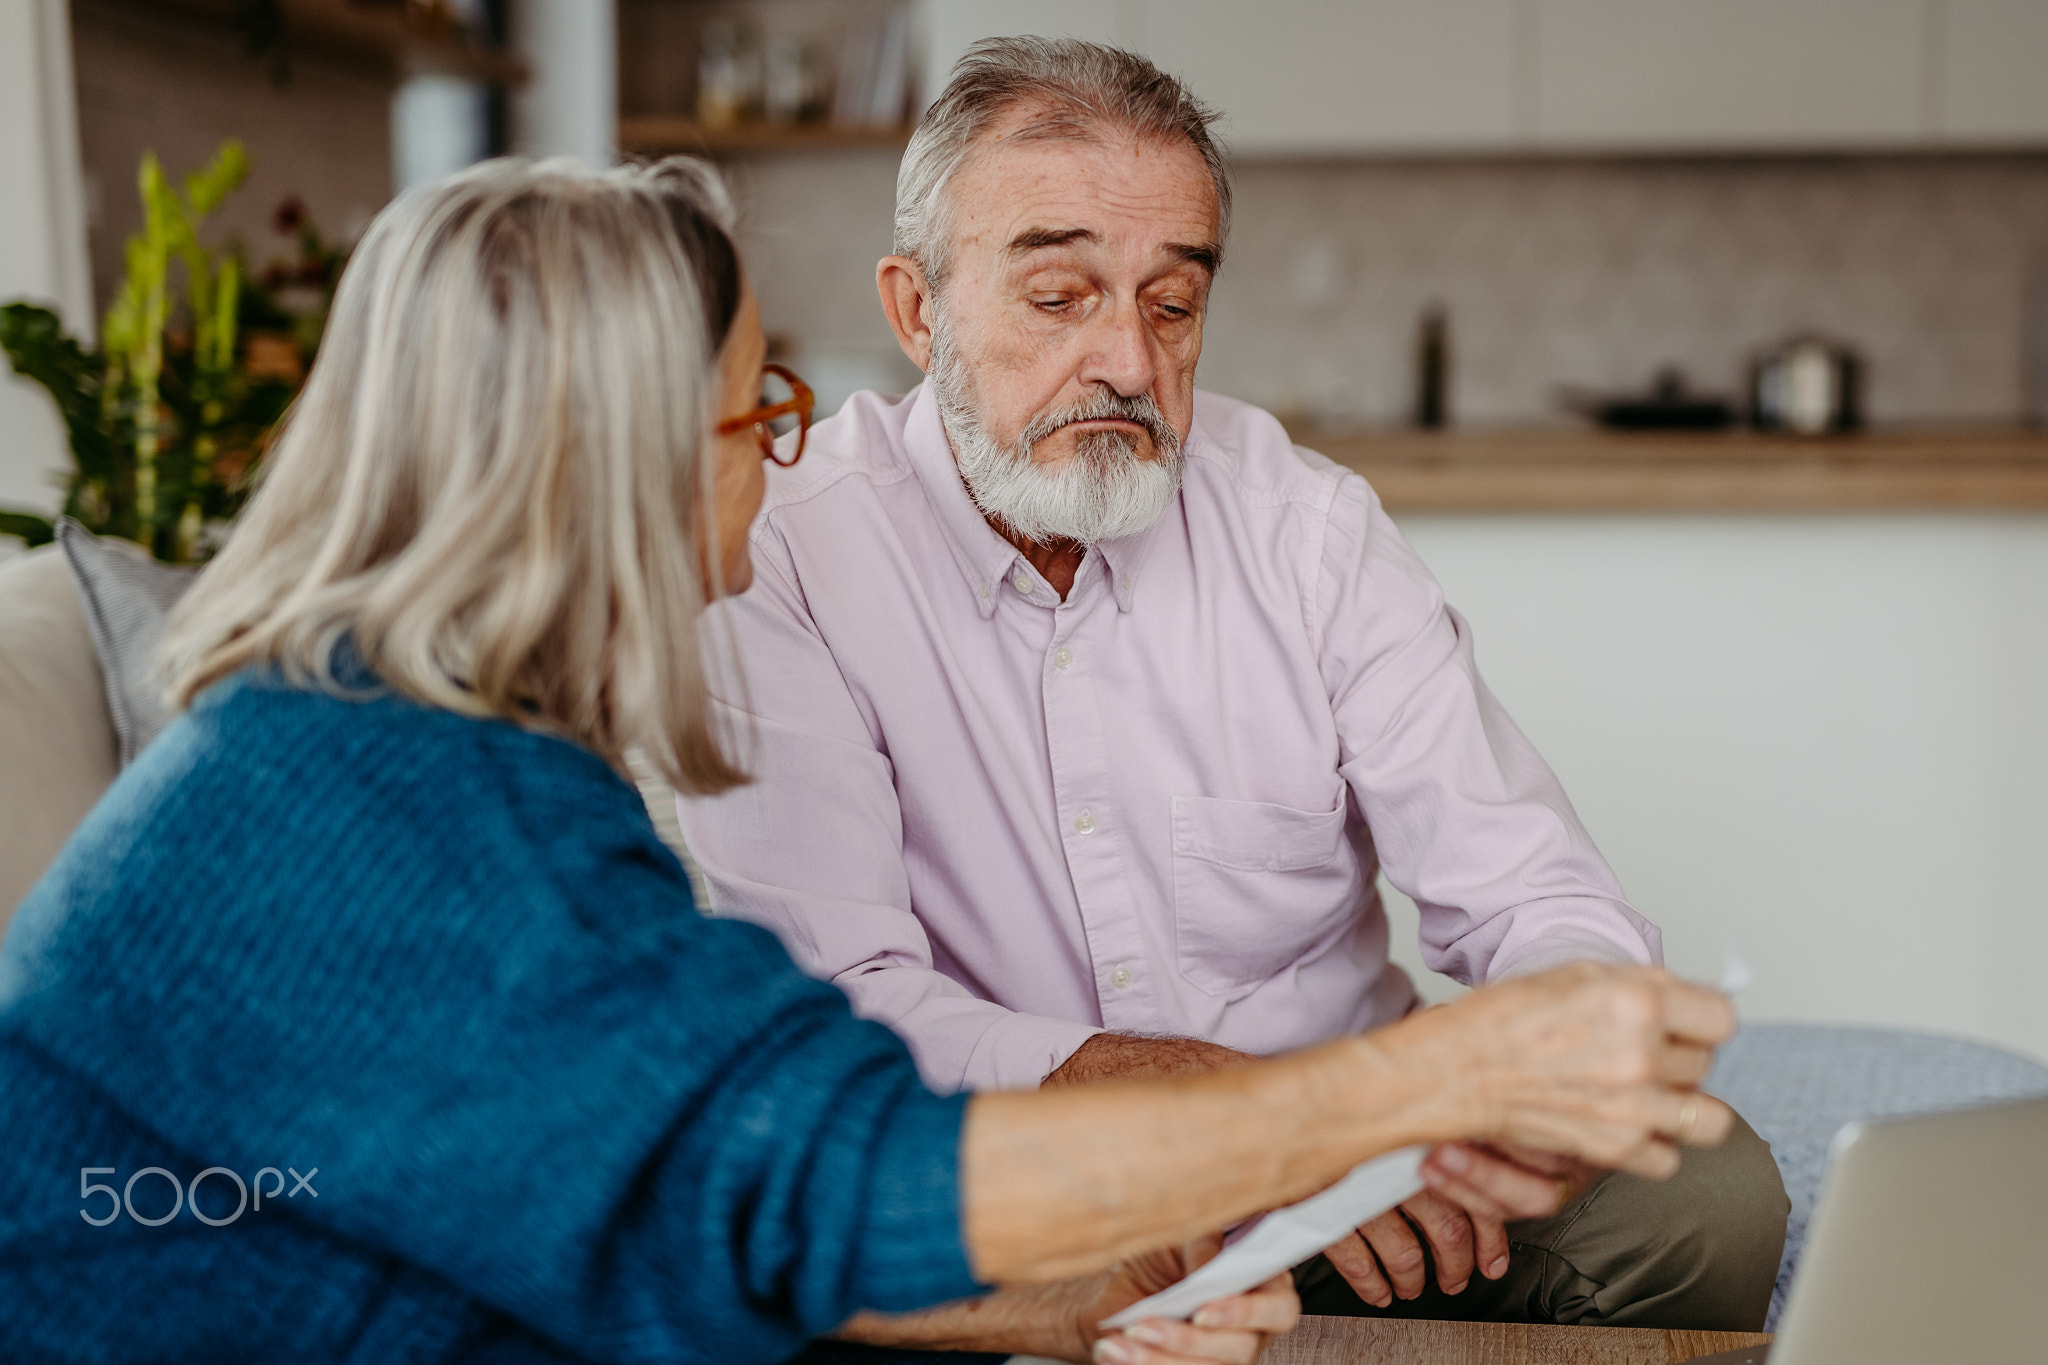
[42, 231]
[1819, 741]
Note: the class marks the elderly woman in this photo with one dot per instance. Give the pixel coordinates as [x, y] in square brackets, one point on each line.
[383, 913]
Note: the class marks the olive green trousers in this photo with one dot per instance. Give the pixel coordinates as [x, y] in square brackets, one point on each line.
[1699, 1250]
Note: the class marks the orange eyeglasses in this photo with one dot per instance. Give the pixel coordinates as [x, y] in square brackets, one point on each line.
[764, 418]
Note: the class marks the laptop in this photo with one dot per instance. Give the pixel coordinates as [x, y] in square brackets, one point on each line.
[1929, 1245]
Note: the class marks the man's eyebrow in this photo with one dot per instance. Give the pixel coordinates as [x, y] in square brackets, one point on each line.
[1032, 239]
[1207, 255]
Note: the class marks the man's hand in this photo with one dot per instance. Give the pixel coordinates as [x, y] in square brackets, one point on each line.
[1119, 1056]
[1383, 1260]
[1463, 1218]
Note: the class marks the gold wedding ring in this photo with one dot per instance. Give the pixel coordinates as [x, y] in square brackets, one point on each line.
[1564, 1191]
[1688, 1115]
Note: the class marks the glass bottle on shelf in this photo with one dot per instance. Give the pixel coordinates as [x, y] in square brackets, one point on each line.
[725, 73]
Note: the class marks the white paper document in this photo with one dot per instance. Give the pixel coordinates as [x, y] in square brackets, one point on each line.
[1289, 1236]
[1735, 974]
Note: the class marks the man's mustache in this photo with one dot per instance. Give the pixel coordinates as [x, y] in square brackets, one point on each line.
[1104, 406]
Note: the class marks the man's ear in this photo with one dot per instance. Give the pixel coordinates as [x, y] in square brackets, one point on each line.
[906, 302]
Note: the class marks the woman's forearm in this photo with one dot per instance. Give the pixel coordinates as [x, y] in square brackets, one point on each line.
[1589, 1061]
[1062, 1182]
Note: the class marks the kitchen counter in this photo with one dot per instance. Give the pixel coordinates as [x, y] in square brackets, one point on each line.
[1603, 471]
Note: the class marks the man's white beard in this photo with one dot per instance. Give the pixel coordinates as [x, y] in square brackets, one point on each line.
[1105, 490]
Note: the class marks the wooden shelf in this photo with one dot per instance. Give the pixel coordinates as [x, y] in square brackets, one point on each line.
[392, 30]
[1596, 471]
[398, 37]
[657, 133]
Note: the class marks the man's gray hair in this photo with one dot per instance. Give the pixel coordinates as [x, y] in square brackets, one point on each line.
[1083, 87]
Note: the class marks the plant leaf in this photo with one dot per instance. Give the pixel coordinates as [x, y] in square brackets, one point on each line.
[30, 527]
[206, 188]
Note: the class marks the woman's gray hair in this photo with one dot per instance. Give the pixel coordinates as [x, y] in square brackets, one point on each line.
[496, 486]
[1083, 87]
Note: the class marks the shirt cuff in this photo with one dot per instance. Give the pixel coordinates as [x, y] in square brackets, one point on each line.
[1557, 949]
[1020, 1050]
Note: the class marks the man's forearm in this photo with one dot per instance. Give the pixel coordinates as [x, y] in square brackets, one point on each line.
[1121, 1056]
[1040, 1320]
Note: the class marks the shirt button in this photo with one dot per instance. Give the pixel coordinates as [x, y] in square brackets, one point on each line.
[1084, 823]
[1022, 582]
[1120, 978]
[1062, 656]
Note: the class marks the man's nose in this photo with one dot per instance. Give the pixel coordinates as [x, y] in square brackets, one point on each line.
[1120, 351]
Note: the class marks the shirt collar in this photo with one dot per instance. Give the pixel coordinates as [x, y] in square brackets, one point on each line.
[985, 559]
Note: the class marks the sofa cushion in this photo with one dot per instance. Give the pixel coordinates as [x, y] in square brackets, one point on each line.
[58, 751]
[1798, 1084]
[127, 595]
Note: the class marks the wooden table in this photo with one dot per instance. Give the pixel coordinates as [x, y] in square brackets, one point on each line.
[1376, 1341]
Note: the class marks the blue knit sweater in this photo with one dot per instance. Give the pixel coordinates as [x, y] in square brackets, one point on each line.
[445, 963]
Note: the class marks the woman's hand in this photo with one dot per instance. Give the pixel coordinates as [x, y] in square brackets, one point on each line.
[1587, 1061]
[1233, 1330]
[1503, 1184]
[1599, 1063]
[1060, 1319]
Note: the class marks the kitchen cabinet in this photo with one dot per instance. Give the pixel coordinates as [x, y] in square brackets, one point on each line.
[1991, 71]
[946, 27]
[1727, 74]
[1813, 738]
[1492, 77]
[1388, 75]
[1300, 77]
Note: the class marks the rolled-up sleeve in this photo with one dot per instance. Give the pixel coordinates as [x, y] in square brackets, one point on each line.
[1466, 817]
[812, 849]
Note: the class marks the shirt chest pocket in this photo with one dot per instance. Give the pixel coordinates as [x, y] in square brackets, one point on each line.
[1254, 887]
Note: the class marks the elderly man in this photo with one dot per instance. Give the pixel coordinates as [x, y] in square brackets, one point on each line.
[1086, 709]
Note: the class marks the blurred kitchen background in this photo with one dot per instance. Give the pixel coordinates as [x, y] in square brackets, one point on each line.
[1540, 268]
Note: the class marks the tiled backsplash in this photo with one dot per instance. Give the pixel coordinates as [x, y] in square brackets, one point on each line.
[1589, 273]
[1594, 273]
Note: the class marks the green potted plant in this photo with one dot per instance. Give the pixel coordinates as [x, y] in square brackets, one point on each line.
[167, 416]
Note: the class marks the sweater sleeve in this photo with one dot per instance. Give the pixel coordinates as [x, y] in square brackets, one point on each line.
[450, 964]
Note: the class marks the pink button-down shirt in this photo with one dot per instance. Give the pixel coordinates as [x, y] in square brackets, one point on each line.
[1001, 821]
